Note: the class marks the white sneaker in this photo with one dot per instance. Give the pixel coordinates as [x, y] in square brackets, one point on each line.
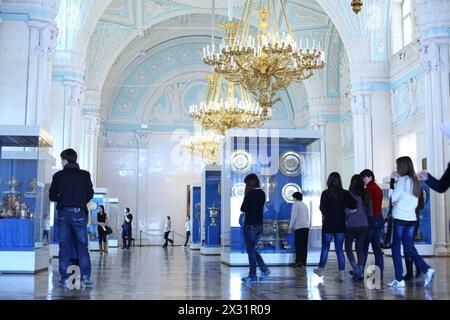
[397, 284]
[429, 276]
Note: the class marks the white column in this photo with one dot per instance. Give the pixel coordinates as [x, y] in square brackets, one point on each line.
[435, 62]
[90, 141]
[434, 24]
[322, 127]
[362, 129]
[143, 138]
[73, 98]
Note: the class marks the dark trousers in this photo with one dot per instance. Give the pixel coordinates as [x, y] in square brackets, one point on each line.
[408, 259]
[126, 236]
[374, 238]
[101, 235]
[166, 237]
[360, 235]
[45, 235]
[72, 234]
[251, 237]
[188, 234]
[338, 246]
[403, 234]
[301, 246]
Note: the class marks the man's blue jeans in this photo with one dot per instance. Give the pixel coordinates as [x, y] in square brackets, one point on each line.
[376, 225]
[251, 236]
[338, 245]
[403, 234]
[72, 232]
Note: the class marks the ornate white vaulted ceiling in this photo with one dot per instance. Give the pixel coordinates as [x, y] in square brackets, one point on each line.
[134, 36]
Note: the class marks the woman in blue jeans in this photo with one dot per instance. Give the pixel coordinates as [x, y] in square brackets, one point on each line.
[333, 202]
[253, 207]
[405, 199]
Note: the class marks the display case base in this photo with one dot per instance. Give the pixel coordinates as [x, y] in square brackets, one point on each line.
[210, 251]
[24, 261]
[195, 246]
[241, 259]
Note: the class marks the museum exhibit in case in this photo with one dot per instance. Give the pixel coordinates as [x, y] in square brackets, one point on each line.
[286, 161]
[211, 211]
[195, 214]
[25, 177]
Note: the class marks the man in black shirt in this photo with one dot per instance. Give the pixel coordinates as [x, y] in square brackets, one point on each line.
[126, 229]
[72, 189]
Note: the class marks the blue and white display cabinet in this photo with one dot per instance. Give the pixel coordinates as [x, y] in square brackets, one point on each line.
[25, 177]
[195, 214]
[285, 161]
[211, 211]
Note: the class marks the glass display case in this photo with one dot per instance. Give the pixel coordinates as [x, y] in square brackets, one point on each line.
[195, 214]
[25, 177]
[211, 211]
[285, 161]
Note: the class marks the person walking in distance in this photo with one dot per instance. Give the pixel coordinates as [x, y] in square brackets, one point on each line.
[46, 235]
[253, 206]
[127, 229]
[167, 229]
[72, 189]
[187, 228]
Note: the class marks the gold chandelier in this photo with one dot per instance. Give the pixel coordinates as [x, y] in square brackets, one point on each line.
[220, 115]
[264, 64]
[205, 144]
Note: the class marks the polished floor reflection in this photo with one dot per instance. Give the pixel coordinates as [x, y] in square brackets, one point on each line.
[178, 273]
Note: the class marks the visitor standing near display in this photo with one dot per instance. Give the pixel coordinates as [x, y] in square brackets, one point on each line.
[72, 189]
[333, 203]
[356, 225]
[127, 229]
[167, 229]
[405, 199]
[300, 223]
[102, 223]
[46, 234]
[252, 207]
[376, 221]
[187, 228]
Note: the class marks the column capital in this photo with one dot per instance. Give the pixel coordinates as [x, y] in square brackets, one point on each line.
[74, 93]
[361, 102]
[434, 54]
[143, 138]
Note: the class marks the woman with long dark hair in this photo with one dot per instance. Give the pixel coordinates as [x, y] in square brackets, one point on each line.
[102, 222]
[252, 207]
[333, 202]
[405, 198]
[357, 225]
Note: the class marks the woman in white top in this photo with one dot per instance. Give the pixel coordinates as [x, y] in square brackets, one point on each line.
[404, 199]
[300, 223]
[167, 229]
[187, 228]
